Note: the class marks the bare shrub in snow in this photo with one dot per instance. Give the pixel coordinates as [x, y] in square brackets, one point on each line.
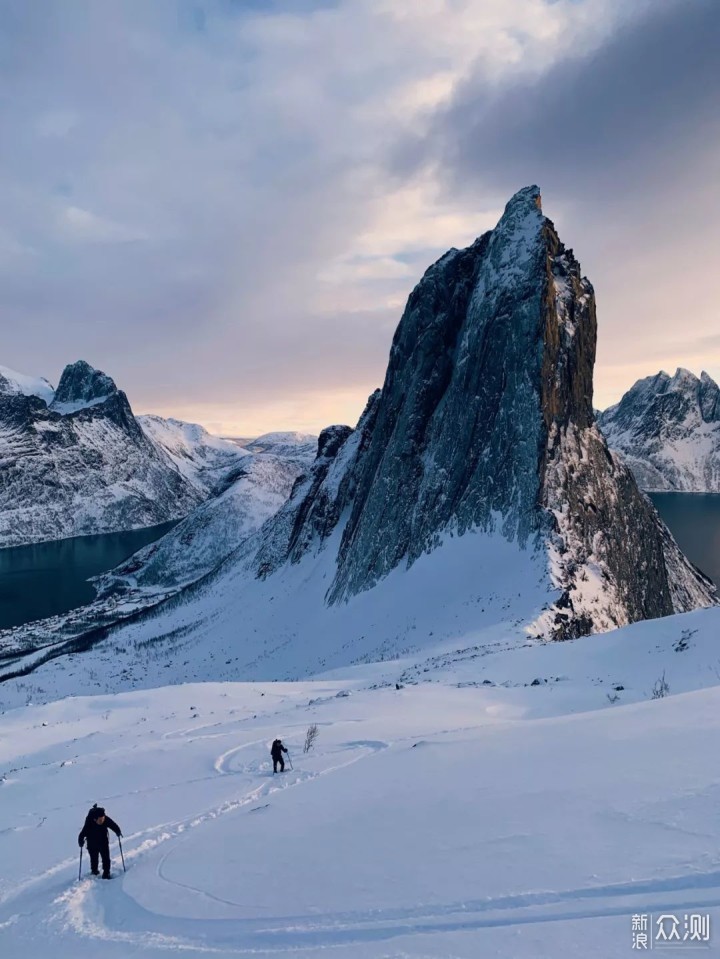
[661, 688]
[310, 736]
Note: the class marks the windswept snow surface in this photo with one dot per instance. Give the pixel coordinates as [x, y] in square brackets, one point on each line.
[13, 382]
[438, 820]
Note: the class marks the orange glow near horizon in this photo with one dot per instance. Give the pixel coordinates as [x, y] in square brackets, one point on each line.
[309, 412]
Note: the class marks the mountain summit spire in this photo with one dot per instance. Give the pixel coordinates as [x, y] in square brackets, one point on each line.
[485, 424]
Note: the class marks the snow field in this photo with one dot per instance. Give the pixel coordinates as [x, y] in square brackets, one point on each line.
[434, 820]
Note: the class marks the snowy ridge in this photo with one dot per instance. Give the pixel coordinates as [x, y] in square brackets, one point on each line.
[205, 538]
[286, 443]
[207, 462]
[12, 382]
[667, 428]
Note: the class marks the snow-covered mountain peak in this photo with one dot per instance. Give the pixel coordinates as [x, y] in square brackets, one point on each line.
[208, 462]
[516, 240]
[485, 424]
[76, 462]
[668, 430]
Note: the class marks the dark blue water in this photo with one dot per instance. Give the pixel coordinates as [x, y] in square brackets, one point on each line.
[694, 521]
[49, 578]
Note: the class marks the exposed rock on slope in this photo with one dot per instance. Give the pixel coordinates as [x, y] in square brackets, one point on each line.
[75, 461]
[668, 431]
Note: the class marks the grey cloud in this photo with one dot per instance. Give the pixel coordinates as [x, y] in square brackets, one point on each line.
[203, 194]
[625, 144]
[629, 112]
[215, 170]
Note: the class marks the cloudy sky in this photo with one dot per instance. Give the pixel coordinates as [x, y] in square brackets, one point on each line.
[225, 203]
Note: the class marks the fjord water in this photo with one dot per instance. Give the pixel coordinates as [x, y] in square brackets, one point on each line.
[48, 578]
[694, 521]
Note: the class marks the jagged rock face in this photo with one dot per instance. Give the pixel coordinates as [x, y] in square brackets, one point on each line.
[309, 512]
[485, 422]
[77, 462]
[667, 428]
[81, 384]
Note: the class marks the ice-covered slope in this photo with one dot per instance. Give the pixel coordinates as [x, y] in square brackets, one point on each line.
[506, 820]
[667, 428]
[75, 461]
[209, 463]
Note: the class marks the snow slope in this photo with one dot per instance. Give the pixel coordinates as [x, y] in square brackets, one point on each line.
[667, 428]
[13, 382]
[208, 462]
[210, 533]
[437, 820]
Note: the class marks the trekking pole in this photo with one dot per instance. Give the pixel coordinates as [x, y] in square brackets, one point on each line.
[80, 866]
[121, 854]
[289, 760]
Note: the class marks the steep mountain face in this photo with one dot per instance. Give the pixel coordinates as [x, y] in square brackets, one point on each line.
[667, 429]
[209, 463]
[485, 422]
[75, 461]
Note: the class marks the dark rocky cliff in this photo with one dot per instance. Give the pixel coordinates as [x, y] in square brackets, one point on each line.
[485, 422]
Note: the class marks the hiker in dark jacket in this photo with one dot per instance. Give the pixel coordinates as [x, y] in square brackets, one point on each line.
[276, 752]
[95, 831]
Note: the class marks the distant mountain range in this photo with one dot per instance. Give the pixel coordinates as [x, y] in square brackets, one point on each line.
[76, 461]
[667, 428]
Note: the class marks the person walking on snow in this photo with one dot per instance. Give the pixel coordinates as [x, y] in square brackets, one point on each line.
[95, 831]
[276, 752]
